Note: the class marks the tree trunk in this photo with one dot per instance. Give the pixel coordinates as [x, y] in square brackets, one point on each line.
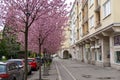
[26, 52]
[40, 60]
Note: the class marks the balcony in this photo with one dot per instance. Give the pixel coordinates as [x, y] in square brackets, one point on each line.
[98, 24]
[85, 19]
[85, 2]
[97, 9]
[85, 33]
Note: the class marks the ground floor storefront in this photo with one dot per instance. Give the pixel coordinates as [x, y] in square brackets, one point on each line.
[101, 48]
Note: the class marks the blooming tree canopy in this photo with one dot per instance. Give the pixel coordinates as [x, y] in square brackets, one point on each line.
[24, 15]
[48, 29]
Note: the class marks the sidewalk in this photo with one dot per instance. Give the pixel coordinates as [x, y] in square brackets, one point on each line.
[52, 74]
[84, 71]
[78, 71]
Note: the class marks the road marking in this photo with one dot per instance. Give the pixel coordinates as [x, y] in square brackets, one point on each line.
[68, 72]
[59, 76]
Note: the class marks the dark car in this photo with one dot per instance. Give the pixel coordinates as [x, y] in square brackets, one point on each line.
[10, 71]
[39, 61]
[21, 64]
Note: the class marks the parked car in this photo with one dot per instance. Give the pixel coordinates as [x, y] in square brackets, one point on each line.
[21, 64]
[39, 62]
[33, 63]
[10, 71]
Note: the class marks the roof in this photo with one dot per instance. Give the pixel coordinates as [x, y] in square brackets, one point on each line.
[31, 58]
[15, 60]
[2, 63]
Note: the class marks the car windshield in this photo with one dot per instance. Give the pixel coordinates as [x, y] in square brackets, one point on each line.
[2, 68]
[19, 62]
[38, 59]
[30, 60]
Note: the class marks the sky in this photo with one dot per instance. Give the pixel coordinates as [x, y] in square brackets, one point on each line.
[1, 27]
[70, 1]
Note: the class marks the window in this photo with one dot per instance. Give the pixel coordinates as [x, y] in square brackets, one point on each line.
[117, 40]
[91, 2]
[98, 2]
[2, 68]
[117, 58]
[80, 16]
[107, 9]
[91, 22]
[80, 31]
[99, 54]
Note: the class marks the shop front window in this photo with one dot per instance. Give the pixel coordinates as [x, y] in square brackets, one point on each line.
[117, 54]
[117, 40]
[95, 55]
[100, 57]
[99, 54]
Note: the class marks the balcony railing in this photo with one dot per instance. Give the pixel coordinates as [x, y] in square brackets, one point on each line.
[98, 24]
[85, 33]
[85, 19]
[97, 9]
[84, 3]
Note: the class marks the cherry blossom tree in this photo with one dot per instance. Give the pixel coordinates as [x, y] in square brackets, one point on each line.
[21, 14]
[53, 42]
[43, 29]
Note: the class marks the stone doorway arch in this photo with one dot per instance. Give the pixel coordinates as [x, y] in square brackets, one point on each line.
[66, 54]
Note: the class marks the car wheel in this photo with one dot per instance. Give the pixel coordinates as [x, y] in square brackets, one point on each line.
[23, 77]
[14, 79]
[30, 72]
[36, 69]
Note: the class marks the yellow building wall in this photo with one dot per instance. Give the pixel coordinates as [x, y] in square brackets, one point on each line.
[115, 10]
[66, 43]
[105, 20]
[91, 13]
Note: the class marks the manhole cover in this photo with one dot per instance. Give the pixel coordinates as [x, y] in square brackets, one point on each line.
[105, 78]
[86, 76]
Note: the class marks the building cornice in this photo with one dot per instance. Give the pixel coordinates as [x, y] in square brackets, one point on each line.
[98, 32]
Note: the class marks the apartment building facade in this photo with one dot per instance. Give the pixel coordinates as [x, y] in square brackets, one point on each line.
[96, 32]
[74, 30]
[71, 32]
[64, 51]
